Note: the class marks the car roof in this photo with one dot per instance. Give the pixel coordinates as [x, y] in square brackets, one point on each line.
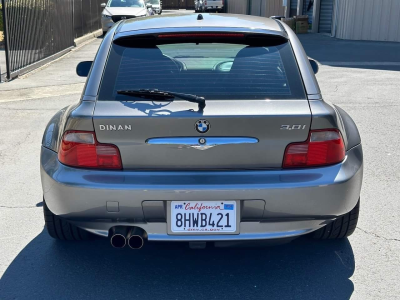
[191, 21]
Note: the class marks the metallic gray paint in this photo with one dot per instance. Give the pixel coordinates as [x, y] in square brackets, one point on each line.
[314, 97]
[352, 133]
[74, 117]
[325, 115]
[248, 231]
[80, 117]
[303, 195]
[52, 131]
[181, 23]
[248, 118]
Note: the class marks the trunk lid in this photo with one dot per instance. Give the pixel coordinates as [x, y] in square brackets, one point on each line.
[250, 134]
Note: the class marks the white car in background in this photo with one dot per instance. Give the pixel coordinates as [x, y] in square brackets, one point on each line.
[116, 10]
[205, 5]
[199, 6]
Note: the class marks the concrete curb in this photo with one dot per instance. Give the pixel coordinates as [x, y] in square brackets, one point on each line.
[87, 37]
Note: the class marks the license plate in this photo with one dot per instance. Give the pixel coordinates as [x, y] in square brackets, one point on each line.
[203, 216]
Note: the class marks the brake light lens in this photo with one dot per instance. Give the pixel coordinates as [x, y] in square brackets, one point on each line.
[202, 35]
[81, 149]
[323, 147]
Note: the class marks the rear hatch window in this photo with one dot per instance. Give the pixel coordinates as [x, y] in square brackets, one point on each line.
[237, 80]
[213, 70]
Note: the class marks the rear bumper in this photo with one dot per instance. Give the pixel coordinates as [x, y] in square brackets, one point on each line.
[274, 203]
[157, 10]
[214, 7]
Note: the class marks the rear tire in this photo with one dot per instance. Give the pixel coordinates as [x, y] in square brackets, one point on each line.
[60, 229]
[342, 227]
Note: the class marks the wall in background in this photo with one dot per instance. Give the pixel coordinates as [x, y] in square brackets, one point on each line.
[373, 20]
[263, 8]
[238, 6]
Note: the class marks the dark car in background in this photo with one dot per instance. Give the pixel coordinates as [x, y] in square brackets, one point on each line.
[156, 6]
[209, 5]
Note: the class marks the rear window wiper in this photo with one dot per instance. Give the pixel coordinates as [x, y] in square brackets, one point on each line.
[163, 96]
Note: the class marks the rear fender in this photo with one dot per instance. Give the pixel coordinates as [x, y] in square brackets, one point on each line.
[73, 117]
[50, 136]
[326, 115]
[352, 133]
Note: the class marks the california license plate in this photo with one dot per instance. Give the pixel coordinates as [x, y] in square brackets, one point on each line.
[203, 216]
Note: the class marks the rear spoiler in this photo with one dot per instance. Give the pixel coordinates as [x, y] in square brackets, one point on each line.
[248, 38]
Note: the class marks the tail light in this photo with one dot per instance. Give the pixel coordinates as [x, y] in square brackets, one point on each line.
[323, 147]
[81, 149]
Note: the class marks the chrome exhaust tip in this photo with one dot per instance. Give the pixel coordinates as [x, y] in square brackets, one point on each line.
[118, 237]
[135, 238]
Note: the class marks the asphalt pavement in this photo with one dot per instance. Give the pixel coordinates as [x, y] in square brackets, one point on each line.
[365, 266]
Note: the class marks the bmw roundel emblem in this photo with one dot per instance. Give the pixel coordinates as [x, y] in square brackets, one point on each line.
[202, 126]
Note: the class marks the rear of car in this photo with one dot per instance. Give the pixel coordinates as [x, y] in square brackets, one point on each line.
[217, 5]
[156, 6]
[259, 161]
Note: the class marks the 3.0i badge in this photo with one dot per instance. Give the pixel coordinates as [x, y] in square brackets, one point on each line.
[202, 126]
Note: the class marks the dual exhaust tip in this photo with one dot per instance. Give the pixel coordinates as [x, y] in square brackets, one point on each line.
[133, 236]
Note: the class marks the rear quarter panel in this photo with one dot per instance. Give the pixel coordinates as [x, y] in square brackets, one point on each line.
[79, 116]
[352, 133]
[74, 117]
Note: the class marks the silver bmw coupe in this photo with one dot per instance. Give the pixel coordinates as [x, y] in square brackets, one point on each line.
[200, 128]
